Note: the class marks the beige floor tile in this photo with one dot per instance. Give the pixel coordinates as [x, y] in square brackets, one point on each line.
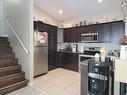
[43, 92]
[53, 89]
[59, 82]
[74, 88]
[66, 92]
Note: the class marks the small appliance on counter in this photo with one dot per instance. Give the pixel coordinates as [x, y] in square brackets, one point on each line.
[68, 47]
[81, 49]
[74, 48]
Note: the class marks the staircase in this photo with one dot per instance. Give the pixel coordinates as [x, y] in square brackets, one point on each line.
[11, 76]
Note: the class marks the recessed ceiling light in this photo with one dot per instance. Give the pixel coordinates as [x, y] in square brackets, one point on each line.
[100, 1]
[60, 11]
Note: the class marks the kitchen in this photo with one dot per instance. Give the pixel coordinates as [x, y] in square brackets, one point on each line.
[76, 40]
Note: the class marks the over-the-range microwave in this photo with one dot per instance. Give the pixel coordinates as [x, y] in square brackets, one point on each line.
[89, 37]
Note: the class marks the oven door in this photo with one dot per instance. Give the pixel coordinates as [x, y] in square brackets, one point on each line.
[97, 85]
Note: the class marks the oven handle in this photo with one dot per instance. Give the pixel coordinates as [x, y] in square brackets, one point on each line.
[98, 76]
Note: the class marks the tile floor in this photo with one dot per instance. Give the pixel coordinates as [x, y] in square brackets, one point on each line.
[58, 82]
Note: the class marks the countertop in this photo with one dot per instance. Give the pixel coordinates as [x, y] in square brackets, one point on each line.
[71, 52]
[85, 55]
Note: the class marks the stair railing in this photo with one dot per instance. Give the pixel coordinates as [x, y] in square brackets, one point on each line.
[16, 35]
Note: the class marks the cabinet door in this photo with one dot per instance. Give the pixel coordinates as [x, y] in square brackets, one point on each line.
[91, 29]
[60, 59]
[42, 26]
[78, 32]
[35, 23]
[65, 33]
[99, 30]
[72, 35]
[70, 61]
[75, 61]
[69, 35]
[118, 29]
[105, 34]
[52, 54]
[53, 31]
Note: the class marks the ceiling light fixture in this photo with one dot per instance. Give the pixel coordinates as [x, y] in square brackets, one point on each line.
[60, 11]
[100, 1]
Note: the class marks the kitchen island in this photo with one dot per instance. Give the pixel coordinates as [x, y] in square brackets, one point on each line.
[97, 77]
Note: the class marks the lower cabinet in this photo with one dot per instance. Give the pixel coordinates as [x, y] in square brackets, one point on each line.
[68, 60]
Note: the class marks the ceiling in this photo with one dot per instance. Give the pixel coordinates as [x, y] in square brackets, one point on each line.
[73, 9]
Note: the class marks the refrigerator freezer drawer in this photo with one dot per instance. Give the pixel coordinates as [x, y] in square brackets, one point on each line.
[40, 60]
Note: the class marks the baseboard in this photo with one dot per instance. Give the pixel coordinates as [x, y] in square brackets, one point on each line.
[30, 83]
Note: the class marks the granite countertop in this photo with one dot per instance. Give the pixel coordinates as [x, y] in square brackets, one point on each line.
[85, 55]
[70, 52]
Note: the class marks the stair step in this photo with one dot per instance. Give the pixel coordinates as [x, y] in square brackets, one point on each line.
[4, 71]
[4, 44]
[11, 79]
[8, 62]
[7, 56]
[3, 39]
[13, 87]
[5, 49]
[11, 76]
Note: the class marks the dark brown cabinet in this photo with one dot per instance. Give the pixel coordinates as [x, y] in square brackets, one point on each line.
[35, 25]
[69, 35]
[105, 33]
[52, 47]
[91, 29]
[78, 31]
[109, 32]
[118, 29]
[52, 42]
[65, 38]
[52, 54]
[42, 26]
[68, 61]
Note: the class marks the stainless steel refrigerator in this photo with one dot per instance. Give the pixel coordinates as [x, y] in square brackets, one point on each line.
[40, 53]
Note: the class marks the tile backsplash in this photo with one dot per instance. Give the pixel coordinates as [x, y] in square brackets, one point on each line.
[108, 46]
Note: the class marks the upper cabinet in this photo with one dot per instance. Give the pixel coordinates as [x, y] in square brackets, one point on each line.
[107, 32]
[69, 35]
[91, 28]
[118, 29]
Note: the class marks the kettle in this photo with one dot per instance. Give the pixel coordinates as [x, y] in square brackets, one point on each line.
[74, 48]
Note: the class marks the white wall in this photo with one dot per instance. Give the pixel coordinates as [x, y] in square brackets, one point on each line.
[19, 15]
[1, 16]
[107, 17]
[43, 16]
